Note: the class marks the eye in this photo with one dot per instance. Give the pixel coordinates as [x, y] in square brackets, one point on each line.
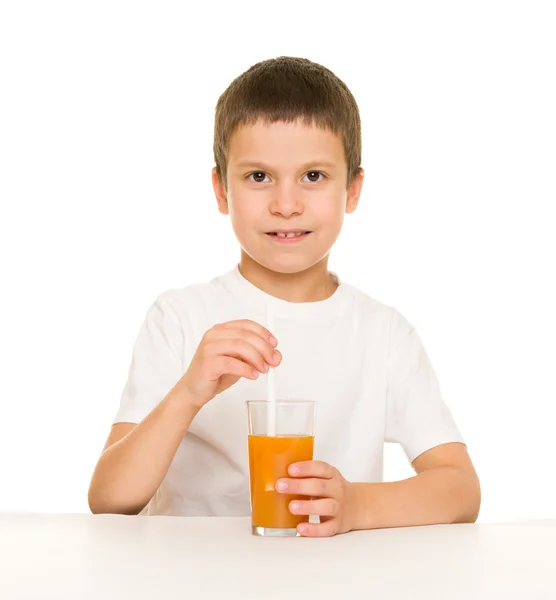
[257, 174]
[316, 175]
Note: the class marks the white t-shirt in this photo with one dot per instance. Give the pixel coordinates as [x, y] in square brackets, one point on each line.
[361, 360]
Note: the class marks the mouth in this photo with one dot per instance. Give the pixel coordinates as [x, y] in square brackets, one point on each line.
[292, 236]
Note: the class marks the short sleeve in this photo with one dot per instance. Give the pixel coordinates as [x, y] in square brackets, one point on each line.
[416, 416]
[156, 363]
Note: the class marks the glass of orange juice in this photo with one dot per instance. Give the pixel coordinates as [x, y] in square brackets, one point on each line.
[280, 433]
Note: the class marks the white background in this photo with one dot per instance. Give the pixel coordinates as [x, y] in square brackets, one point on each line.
[106, 117]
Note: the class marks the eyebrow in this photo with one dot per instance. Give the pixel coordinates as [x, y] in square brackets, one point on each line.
[256, 164]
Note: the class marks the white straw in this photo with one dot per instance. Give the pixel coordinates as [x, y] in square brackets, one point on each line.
[271, 380]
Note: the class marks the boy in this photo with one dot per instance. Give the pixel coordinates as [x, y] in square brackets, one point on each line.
[287, 147]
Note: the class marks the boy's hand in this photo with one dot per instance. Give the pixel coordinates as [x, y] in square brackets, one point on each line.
[334, 502]
[227, 352]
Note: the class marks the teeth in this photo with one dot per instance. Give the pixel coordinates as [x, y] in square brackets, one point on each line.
[289, 235]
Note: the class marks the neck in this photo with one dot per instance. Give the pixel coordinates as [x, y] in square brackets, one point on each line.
[311, 285]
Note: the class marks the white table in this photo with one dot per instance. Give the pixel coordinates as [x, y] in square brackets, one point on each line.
[81, 557]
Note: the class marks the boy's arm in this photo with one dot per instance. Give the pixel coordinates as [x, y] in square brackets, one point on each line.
[446, 489]
[136, 458]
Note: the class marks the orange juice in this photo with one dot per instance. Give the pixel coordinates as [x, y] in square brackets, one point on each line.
[269, 459]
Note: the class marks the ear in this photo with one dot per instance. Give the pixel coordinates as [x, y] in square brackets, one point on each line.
[219, 192]
[354, 192]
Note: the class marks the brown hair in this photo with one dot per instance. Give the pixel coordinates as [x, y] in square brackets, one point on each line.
[286, 89]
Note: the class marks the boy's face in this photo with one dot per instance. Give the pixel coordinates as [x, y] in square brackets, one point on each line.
[286, 177]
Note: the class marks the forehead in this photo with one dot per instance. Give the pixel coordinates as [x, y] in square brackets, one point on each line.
[284, 143]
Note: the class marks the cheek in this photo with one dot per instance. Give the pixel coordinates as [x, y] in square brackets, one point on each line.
[244, 212]
[330, 211]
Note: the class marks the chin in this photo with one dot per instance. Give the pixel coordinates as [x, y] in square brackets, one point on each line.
[286, 269]
[286, 264]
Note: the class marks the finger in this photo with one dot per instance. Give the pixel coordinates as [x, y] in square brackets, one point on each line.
[306, 487]
[238, 348]
[326, 529]
[252, 326]
[312, 468]
[271, 356]
[227, 365]
[323, 507]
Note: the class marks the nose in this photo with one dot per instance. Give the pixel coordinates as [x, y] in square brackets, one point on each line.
[286, 203]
